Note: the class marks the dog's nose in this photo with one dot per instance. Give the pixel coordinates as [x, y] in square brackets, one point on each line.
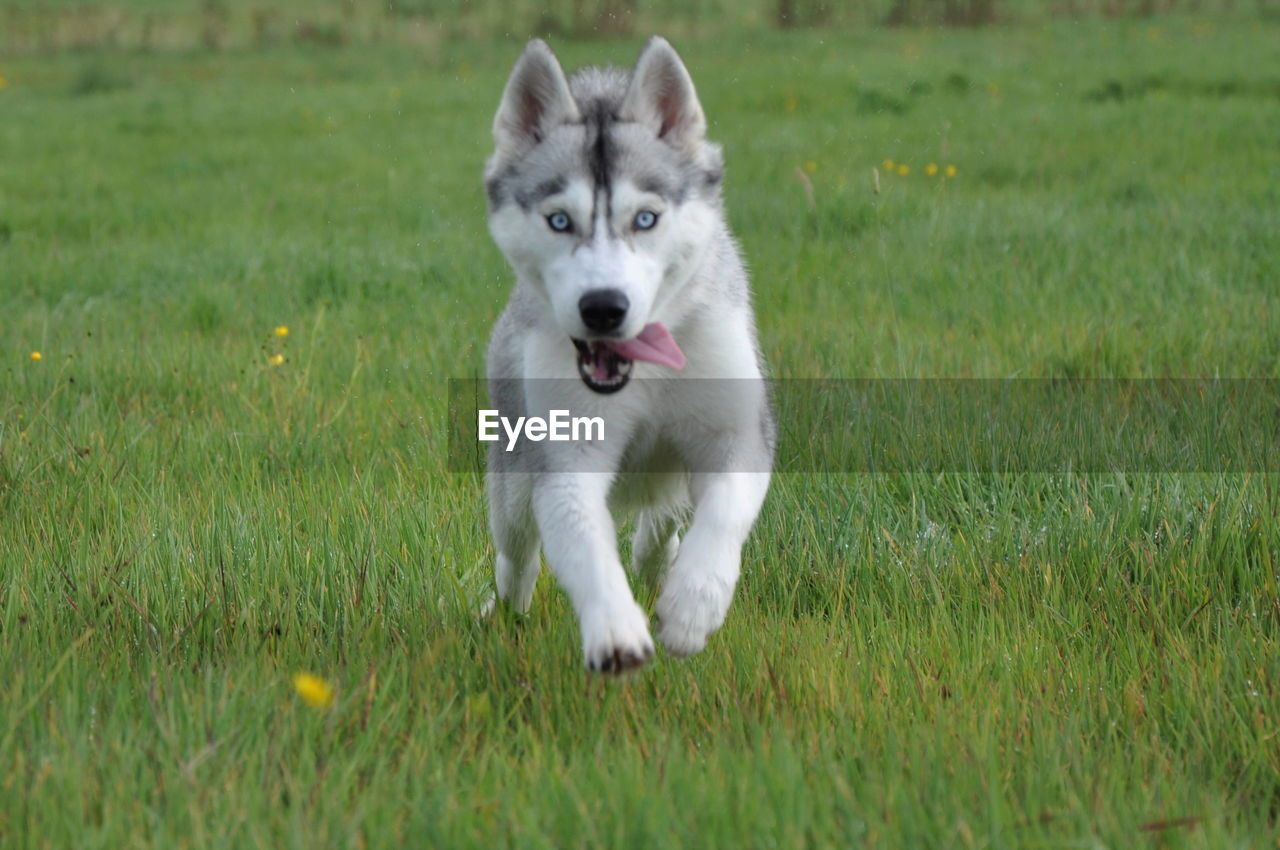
[603, 309]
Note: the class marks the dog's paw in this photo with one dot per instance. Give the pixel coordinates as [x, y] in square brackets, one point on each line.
[616, 639]
[689, 611]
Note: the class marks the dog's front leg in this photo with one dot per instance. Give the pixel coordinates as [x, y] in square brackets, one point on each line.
[699, 587]
[580, 544]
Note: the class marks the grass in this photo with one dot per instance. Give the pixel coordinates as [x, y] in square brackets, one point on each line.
[1047, 659]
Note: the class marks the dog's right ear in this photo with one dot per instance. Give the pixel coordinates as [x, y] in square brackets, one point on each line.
[536, 100]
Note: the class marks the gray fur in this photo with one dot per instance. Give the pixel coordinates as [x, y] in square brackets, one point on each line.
[680, 451]
[601, 143]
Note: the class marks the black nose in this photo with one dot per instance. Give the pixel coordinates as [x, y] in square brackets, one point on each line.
[603, 309]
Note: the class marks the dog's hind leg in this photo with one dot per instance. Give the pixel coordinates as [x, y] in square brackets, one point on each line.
[515, 534]
[663, 504]
[654, 544]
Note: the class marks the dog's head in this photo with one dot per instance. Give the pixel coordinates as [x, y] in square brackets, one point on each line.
[603, 191]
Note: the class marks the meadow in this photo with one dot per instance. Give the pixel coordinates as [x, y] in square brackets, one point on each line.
[237, 282]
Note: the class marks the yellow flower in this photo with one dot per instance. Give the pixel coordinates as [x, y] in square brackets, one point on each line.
[790, 103]
[931, 169]
[275, 359]
[903, 169]
[950, 171]
[888, 165]
[282, 330]
[811, 166]
[315, 692]
[35, 355]
[4, 84]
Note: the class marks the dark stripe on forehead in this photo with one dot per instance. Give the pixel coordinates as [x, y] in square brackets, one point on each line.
[599, 118]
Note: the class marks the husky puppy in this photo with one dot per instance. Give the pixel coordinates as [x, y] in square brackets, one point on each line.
[631, 303]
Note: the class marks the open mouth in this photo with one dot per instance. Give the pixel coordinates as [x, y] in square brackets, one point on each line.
[603, 370]
[605, 365]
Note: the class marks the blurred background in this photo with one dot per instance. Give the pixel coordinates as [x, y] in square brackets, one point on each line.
[28, 26]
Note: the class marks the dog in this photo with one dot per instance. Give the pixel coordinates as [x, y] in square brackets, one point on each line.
[631, 303]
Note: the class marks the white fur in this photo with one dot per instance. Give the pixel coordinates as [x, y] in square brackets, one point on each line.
[685, 273]
[647, 266]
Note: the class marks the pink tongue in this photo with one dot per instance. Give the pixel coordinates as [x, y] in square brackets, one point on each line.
[653, 345]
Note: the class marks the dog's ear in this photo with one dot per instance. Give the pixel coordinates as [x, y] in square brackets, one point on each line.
[536, 100]
[661, 96]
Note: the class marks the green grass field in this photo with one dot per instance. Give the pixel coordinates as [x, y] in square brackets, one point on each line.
[967, 660]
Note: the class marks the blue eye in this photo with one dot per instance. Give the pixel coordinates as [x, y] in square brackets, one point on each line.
[559, 222]
[645, 220]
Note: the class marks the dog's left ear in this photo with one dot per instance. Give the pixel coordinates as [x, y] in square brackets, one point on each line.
[661, 95]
